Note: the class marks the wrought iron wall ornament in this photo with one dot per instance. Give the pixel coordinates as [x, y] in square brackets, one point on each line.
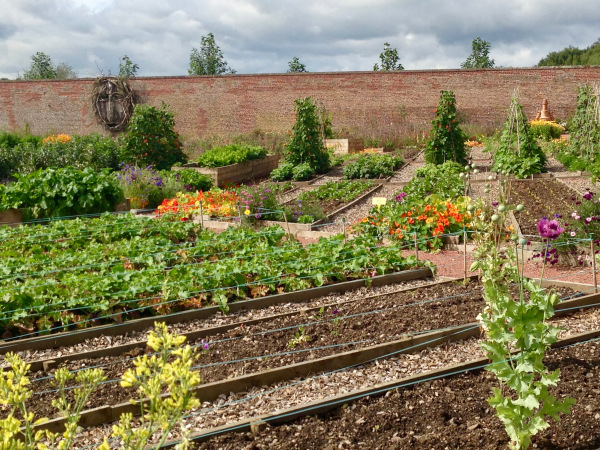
[113, 100]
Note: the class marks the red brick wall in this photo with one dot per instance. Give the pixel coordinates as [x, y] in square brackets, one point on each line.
[364, 103]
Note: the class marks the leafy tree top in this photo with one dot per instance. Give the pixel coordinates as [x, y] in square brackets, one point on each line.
[573, 56]
[480, 55]
[389, 59]
[296, 66]
[41, 68]
[127, 68]
[209, 59]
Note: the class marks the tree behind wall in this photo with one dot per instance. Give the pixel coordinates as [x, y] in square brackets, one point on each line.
[41, 68]
[209, 59]
[389, 59]
[480, 55]
[296, 66]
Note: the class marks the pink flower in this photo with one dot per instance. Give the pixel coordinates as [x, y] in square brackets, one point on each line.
[549, 228]
[573, 234]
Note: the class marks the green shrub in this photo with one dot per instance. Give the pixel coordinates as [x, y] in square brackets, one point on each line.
[372, 166]
[284, 172]
[303, 172]
[447, 141]
[230, 154]
[442, 180]
[11, 140]
[192, 179]
[546, 131]
[64, 192]
[151, 139]
[93, 150]
[306, 144]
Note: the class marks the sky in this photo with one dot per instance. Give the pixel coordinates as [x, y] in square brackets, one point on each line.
[262, 36]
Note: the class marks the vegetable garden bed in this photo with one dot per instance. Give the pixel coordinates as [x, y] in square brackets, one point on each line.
[358, 326]
[237, 173]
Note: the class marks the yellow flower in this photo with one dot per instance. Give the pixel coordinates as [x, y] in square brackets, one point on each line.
[247, 212]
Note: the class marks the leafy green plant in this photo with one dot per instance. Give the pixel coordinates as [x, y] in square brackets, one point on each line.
[372, 166]
[447, 140]
[230, 154]
[29, 155]
[151, 139]
[63, 192]
[442, 180]
[518, 153]
[299, 338]
[306, 144]
[20, 433]
[303, 172]
[517, 336]
[284, 172]
[192, 179]
[584, 126]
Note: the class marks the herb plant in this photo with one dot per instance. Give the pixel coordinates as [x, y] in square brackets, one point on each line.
[447, 140]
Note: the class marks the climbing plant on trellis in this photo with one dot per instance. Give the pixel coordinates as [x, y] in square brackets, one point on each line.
[518, 153]
[585, 125]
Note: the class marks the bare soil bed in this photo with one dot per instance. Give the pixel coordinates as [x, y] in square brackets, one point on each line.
[448, 413]
[542, 198]
[297, 338]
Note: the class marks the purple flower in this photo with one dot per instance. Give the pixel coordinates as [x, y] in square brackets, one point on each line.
[588, 195]
[549, 228]
[400, 196]
[205, 344]
[494, 204]
[335, 311]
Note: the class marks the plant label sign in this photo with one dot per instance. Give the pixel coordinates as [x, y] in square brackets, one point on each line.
[379, 201]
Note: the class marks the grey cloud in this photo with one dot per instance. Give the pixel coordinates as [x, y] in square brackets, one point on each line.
[258, 36]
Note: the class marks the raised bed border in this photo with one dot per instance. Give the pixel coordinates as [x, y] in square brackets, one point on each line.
[74, 337]
[236, 173]
[322, 406]
[410, 344]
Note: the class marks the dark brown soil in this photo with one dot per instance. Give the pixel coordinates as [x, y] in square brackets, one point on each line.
[268, 345]
[449, 413]
[542, 198]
